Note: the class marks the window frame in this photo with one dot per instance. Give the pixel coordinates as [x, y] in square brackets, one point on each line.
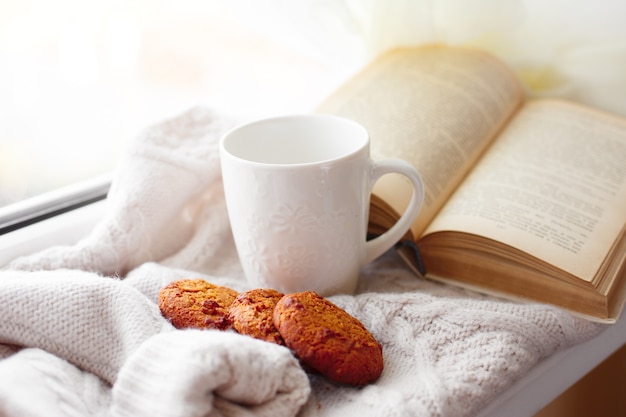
[44, 206]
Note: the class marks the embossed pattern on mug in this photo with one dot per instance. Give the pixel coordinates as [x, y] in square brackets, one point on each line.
[291, 219]
[315, 255]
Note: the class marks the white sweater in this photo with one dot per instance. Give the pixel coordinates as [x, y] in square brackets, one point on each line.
[81, 334]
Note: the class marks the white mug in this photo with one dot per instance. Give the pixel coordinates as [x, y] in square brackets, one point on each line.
[298, 193]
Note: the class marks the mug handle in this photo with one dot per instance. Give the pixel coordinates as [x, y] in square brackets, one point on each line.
[379, 245]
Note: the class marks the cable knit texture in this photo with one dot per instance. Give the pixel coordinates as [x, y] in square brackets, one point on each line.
[81, 331]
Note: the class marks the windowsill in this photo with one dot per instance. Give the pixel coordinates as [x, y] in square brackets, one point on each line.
[53, 203]
[63, 229]
[543, 383]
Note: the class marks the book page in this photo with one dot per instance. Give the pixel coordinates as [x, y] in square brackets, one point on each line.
[436, 107]
[553, 185]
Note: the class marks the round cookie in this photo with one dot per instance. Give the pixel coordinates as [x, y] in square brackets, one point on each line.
[328, 339]
[196, 303]
[252, 314]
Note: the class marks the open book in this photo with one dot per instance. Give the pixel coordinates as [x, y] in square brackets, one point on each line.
[524, 199]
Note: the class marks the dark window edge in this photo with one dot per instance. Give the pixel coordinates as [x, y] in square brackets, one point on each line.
[45, 206]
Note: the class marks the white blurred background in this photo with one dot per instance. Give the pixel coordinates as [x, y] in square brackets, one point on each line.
[80, 77]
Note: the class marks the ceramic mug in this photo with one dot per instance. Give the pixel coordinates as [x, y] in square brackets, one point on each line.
[298, 193]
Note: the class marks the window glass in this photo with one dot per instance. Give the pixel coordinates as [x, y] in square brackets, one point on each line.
[79, 78]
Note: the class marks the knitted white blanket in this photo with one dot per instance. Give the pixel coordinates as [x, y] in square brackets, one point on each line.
[81, 335]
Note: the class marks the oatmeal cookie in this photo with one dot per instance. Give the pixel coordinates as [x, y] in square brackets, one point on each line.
[328, 339]
[196, 303]
[252, 314]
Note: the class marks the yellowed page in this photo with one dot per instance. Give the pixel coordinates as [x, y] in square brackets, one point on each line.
[437, 107]
[553, 185]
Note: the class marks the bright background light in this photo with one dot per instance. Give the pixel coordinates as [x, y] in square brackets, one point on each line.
[78, 78]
